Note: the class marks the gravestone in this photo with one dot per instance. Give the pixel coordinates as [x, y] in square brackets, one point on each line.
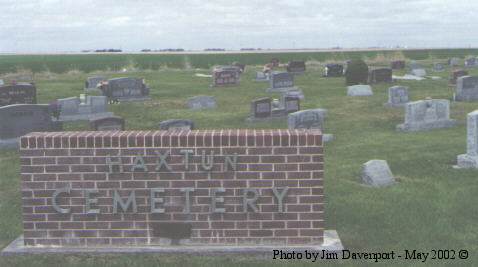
[201, 102]
[1, 82]
[359, 90]
[380, 75]
[226, 76]
[471, 62]
[296, 67]
[418, 72]
[125, 89]
[467, 88]
[333, 70]
[454, 61]
[456, 74]
[261, 108]
[397, 64]
[470, 159]
[91, 83]
[281, 82]
[262, 76]
[111, 123]
[307, 119]
[294, 93]
[438, 67]
[397, 96]
[19, 93]
[290, 104]
[376, 173]
[176, 125]
[20, 119]
[426, 115]
[76, 108]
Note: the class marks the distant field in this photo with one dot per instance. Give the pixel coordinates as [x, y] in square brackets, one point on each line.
[115, 62]
[433, 206]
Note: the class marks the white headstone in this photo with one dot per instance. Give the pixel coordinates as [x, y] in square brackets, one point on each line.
[470, 159]
[426, 115]
[377, 173]
[397, 96]
[359, 90]
[418, 72]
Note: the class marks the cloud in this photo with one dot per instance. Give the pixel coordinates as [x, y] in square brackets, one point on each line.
[54, 25]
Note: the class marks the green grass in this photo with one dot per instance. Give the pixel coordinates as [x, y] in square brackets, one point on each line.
[432, 207]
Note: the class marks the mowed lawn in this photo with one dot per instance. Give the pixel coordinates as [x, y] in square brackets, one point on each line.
[432, 207]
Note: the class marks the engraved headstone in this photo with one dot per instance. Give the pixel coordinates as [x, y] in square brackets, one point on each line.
[438, 67]
[467, 88]
[471, 62]
[86, 108]
[261, 108]
[262, 76]
[397, 96]
[290, 104]
[457, 74]
[418, 72]
[454, 61]
[19, 93]
[125, 89]
[110, 123]
[377, 173]
[380, 75]
[20, 119]
[307, 119]
[91, 83]
[426, 115]
[226, 76]
[281, 82]
[296, 67]
[359, 90]
[176, 124]
[397, 64]
[470, 159]
[294, 93]
[201, 102]
[333, 70]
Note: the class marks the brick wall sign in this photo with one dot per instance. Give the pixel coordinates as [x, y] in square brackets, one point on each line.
[218, 187]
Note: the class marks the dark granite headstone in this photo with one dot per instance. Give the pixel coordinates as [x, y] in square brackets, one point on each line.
[467, 88]
[334, 70]
[397, 64]
[125, 89]
[112, 123]
[20, 119]
[379, 75]
[281, 81]
[174, 124]
[261, 108]
[296, 67]
[226, 75]
[457, 74]
[20, 93]
[290, 104]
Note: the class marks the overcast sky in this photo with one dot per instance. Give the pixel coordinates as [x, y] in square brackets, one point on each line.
[65, 25]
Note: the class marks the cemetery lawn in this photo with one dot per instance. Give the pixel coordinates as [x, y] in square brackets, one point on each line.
[433, 206]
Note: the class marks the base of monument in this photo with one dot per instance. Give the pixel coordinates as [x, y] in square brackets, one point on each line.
[331, 243]
[9, 143]
[426, 126]
[465, 161]
[281, 90]
[85, 117]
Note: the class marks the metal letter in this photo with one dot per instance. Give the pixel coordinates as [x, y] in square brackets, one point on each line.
[138, 163]
[162, 160]
[55, 203]
[280, 196]
[90, 200]
[249, 202]
[231, 162]
[207, 166]
[187, 206]
[215, 200]
[186, 153]
[124, 206]
[155, 200]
